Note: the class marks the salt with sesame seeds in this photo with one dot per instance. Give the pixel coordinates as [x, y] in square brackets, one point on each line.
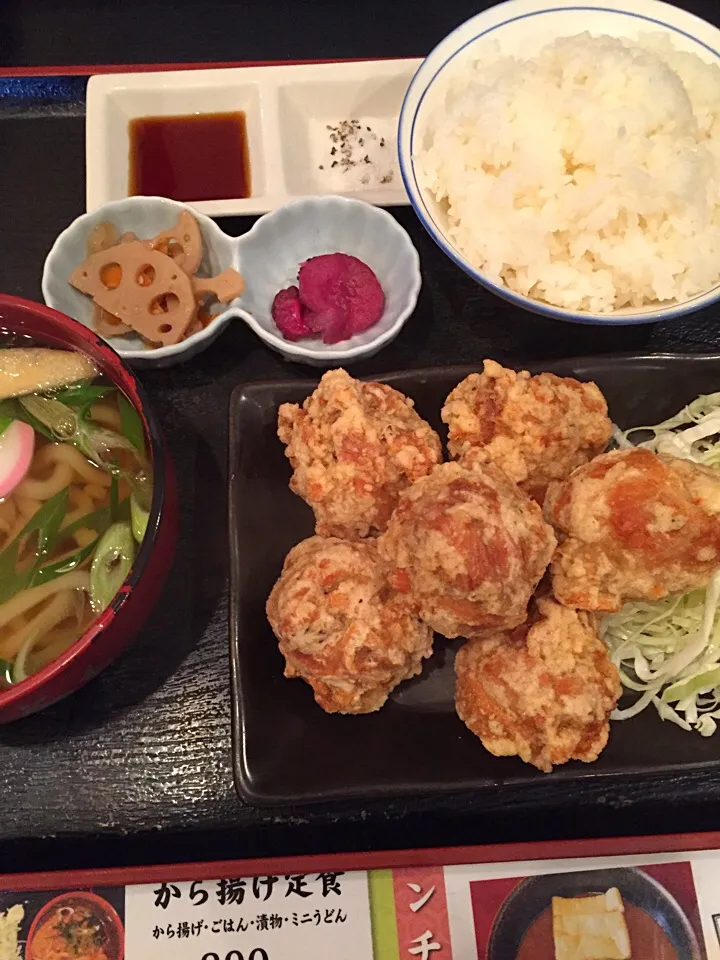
[355, 154]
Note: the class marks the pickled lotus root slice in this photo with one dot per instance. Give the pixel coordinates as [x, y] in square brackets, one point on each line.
[143, 288]
[104, 323]
[182, 243]
[224, 287]
[103, 236]
[201, 321]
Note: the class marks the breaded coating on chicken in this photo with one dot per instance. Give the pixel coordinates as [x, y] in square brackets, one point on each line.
[537, 429]
[543, 692]
[470, 547]
[354, 446]
[342, 628]
[636, 526]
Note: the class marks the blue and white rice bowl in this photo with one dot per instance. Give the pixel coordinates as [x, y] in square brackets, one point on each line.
[523, 28]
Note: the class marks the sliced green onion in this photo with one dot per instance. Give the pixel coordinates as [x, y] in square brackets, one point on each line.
[131, 423]
[52, 570]
[19, 672]
[46, 523]
[111, 563]
[139, 518]
[101, 446]
[13, 410]
[61, 420]
[6, 670]
[82, 394]
[114, 498]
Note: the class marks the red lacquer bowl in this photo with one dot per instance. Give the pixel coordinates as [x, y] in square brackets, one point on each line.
[105, 913]
[113, 630]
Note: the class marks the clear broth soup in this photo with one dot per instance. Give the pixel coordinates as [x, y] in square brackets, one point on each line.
[75, 496]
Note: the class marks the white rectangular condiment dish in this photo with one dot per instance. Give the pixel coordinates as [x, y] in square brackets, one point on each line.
[293, 114]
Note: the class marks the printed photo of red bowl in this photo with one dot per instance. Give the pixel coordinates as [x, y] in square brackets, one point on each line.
[80, 925]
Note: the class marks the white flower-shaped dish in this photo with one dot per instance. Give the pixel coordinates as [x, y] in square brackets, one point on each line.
[268, 257]
[144, 216]
[280, 241]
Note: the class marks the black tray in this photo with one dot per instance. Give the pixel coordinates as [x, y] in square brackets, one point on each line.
[285, 749]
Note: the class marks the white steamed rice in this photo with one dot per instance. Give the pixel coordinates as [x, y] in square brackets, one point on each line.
[587, 176]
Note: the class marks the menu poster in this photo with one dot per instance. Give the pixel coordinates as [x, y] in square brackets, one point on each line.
[302, 916]
[643, 907]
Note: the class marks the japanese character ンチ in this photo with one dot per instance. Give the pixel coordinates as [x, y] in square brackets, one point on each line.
[419, 904]
[425, 946]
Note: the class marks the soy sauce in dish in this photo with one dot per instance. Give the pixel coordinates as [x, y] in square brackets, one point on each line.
[202, 156]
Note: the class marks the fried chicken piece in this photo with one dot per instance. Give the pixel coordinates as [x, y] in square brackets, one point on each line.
[636, 526]
[342, 628]
[354, 446]
[537, 429]
[543, 692]
[470, 547]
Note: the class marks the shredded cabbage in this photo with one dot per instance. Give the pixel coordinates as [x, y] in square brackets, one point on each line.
[692, 434]
[668, 650]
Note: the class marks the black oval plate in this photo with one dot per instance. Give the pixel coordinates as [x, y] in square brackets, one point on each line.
[528, 900]
[285, 749]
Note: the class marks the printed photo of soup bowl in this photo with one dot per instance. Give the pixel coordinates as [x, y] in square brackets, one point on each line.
[88, 530]
[81, 925]
[655, 925]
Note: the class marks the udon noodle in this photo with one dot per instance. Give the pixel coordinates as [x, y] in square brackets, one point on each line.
[84, 485]
[59, 610]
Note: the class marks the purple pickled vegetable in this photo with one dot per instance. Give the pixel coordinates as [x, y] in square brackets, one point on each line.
[341, 294]
[287, 312]
[338, 296]
[331, 323]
